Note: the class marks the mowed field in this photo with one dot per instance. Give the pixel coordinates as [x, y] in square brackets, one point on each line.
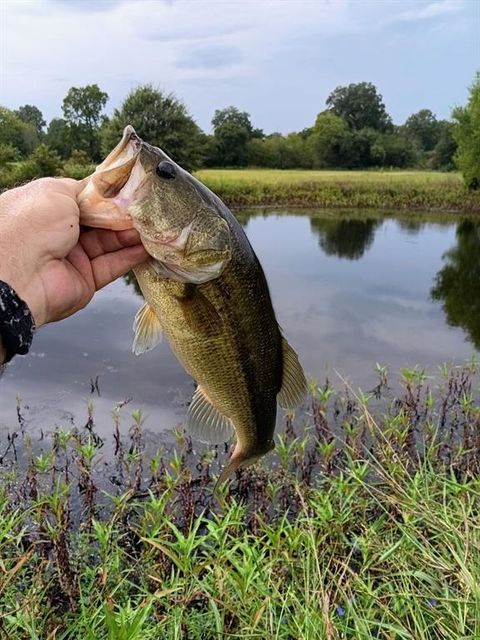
[293, 176]
[425, 190]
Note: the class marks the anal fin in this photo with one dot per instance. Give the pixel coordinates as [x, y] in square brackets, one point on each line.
[205, 422]
[147, 329]
[294, 384]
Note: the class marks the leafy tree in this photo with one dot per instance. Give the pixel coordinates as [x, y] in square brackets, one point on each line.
[393, 150]
[326, 139]
[423, 129]
[361, 106]
[30, 114]
[17, 133]
[82, 109]
[46, 160]
[280, 152]
[58, 137]
[263, 152]
[356, 149]
[467, 135]
[232, 130]
[78, 165]
[43, 162]
[443, 155]
[8, 153]
[298, 151]
[457, 284]
[161, 120]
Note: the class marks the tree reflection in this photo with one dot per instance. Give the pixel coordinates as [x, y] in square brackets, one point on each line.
[411, 226]
[346, 238]
[244, 215]
[132, 281]
[457, 284]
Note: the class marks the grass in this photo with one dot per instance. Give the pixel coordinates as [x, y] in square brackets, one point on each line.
[381, 190]
[409, 190]
[364, 525]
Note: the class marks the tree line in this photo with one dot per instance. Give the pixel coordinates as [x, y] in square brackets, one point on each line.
[354, 131]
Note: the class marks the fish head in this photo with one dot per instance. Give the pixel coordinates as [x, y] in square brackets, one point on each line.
[140, 186]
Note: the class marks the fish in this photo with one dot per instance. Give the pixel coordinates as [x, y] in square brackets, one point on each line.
[205, 291]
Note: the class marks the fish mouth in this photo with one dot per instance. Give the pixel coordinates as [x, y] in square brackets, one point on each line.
[110, 190]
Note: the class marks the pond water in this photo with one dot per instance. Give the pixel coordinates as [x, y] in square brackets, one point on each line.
[348, 292]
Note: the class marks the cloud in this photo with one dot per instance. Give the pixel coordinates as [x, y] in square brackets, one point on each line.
[212, 56]
[86, 5]
[277, 59]
[430, 10]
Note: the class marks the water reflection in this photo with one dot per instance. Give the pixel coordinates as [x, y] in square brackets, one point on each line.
[348, 293]
[412, 226]
[457, 284]
[345, 238]
[132, 281]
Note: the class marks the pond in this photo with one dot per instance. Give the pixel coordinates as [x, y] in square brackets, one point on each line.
[348, 291]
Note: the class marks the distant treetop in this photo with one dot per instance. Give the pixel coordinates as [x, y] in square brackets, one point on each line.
[361, 106]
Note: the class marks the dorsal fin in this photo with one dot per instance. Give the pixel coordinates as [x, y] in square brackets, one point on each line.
[147, 329]
[205, 422]
[294, 384]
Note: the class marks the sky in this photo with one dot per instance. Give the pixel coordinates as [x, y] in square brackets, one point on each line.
[276, 59]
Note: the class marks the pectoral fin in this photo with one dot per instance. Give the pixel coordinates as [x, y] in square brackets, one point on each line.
[294, 384]
[205, 422]
[147, 329]
[200, 316]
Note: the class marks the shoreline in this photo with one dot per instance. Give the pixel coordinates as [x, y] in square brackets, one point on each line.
[405, 191]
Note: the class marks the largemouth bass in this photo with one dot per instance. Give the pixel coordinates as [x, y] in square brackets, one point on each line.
[204, 289]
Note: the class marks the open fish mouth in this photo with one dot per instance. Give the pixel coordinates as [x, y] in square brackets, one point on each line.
[110, 190]
[118, 164]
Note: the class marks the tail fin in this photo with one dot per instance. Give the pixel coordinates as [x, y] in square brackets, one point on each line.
[238, 459]
[233, 464]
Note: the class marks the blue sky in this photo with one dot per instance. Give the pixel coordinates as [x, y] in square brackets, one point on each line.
[276, 59]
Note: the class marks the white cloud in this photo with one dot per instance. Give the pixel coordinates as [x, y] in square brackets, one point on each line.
[429, 10]
[211, 52]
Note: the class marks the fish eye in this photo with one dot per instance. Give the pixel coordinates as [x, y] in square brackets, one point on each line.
[166, 170]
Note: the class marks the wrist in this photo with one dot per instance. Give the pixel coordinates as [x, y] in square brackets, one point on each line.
[26, 290]
[3, 353]
[17, 324]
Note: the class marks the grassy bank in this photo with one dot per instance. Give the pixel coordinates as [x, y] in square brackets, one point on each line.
[361, 527]
[410, 190]
[383, 190]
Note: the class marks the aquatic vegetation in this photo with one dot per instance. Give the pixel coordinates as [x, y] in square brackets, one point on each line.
[364, 526]
[410, 190]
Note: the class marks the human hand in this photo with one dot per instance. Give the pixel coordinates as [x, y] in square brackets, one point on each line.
[52, 265]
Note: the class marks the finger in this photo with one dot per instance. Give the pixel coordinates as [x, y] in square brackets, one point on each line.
[110, 266]
[65, 186]
[45, 198]
[68, 186]
[99, 241]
